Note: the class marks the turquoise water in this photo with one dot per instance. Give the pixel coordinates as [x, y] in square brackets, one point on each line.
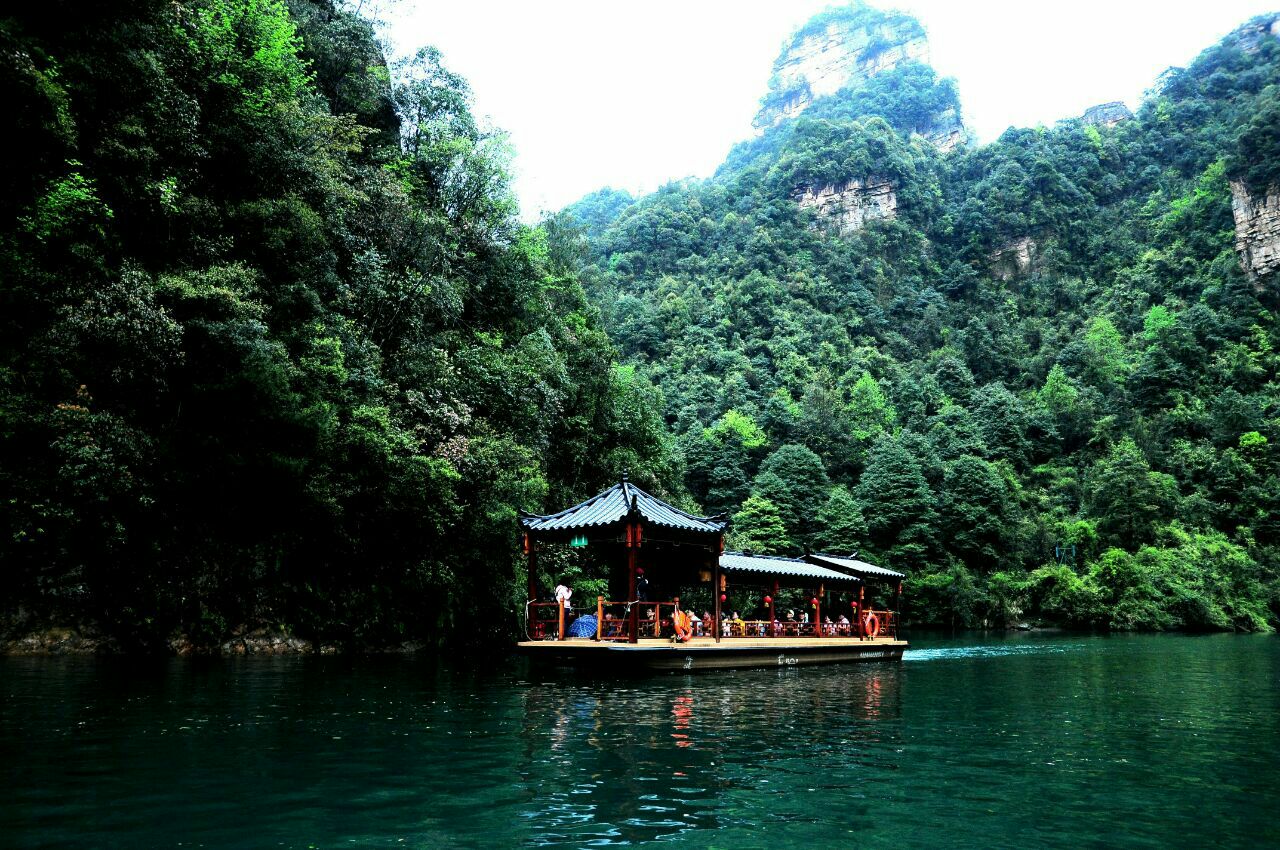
[1022, 742]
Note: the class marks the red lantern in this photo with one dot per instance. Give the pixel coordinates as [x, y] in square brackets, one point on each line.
[814, 601]
[639, 571]
[768, 600]
[724, 598]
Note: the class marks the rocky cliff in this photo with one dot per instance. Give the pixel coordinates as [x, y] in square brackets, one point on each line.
[1012, 259]
[946, 132]
[1106, 114]
[1257, 229]
[846, 207]
[1249, 36]
[835, 50]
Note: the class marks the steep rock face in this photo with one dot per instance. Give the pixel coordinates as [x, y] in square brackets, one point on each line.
[946, 131]
[822, 60]
[1106, 114]
[1257, 229]
[1012, 259]
[1249, 37]
[847, 207]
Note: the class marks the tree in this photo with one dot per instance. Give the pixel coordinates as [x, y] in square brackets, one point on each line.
[1126, 497]
[841, 528]
[758, 527]
[898, 504]
[794, 479]
[976, 512]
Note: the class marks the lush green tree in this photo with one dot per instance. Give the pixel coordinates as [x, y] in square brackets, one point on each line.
[758, 527]
[1126, 496]
[841, 528]
[794, 479]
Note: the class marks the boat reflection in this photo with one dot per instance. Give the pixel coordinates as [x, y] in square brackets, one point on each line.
[626, 760]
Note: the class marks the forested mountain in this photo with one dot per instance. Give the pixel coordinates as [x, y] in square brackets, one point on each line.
[274, 349]
[1039, 375]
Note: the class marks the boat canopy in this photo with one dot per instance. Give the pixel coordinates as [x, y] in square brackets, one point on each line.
[606, 514]
[742, 565]
[852, 565]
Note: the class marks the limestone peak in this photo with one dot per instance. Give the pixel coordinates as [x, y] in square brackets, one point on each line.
[843, 47]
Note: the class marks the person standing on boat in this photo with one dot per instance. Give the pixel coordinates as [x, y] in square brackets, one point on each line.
[563, 593]
[642, 586]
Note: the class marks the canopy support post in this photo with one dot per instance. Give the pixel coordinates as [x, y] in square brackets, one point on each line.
[817, 612]
[773, 616]
[862, 629]
[715, 594]
[633, 616]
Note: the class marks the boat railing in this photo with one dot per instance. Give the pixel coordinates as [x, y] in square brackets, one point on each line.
[549, 621]
[886, 622]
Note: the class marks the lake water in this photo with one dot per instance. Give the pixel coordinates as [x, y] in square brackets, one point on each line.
[1146, 741]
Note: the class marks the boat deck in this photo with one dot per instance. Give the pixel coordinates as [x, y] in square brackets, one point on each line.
[704, 653]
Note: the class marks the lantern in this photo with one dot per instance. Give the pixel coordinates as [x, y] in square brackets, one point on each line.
[724, 597]
[768, 600]
[814, 602]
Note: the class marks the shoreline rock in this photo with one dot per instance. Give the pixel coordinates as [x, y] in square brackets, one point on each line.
[68, 641]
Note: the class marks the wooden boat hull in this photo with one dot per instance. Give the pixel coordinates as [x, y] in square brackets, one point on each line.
[706, 654]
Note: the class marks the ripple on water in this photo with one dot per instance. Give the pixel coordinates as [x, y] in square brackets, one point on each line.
[1029, 741]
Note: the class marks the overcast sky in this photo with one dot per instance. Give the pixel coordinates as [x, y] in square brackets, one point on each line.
[600, 93]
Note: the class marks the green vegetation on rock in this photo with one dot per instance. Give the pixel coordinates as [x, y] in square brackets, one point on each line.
[1041, 382]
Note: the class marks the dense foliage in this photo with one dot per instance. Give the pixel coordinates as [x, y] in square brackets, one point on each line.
[1084, 434]
[274, 350]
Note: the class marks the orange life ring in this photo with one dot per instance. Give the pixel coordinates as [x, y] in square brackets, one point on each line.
[871, 625]
[683, 624]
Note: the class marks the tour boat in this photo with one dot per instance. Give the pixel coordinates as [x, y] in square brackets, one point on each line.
[654, 548]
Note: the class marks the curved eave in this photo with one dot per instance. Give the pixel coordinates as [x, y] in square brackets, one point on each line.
[855, 567]
[791, 569]
[603, 515]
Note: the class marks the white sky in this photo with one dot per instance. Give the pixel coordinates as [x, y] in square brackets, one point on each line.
[607, 93]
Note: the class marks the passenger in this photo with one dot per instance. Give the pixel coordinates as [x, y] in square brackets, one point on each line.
[563, 593]
[828, 627]
[737, 626]
[842, 624]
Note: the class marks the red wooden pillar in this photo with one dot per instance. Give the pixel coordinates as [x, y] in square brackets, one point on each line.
[773, 600]
[633, 546]
[716, 590]
[862, 630]
[817, 613]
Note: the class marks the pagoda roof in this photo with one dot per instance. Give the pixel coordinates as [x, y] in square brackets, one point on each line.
[615, 504]
[852, 565]
[771, 565]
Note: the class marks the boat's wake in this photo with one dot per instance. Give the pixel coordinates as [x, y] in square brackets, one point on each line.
[989, 651]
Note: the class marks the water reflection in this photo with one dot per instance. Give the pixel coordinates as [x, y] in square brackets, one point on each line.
[636, 760]
[1035, 742]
